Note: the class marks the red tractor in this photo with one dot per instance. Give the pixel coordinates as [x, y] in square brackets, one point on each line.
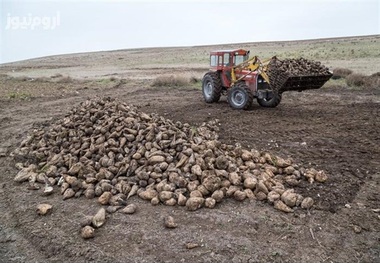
[242, 79]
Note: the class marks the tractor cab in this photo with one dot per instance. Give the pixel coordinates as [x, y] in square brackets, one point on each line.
[226, 59]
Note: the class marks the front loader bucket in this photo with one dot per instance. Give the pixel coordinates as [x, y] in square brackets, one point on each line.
[296, 74]
[300, 83]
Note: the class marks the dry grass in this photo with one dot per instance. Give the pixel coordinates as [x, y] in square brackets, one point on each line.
[65, 79]
[58, 75]
[171, 81]
[356, 79]
[341, 73]
[19, 95]
[195, 80]
[373, 81]
[42, 79]
[58, 78]
[360, 80]
[21, 78]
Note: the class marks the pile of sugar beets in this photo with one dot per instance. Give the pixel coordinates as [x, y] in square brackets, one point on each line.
[111, 151]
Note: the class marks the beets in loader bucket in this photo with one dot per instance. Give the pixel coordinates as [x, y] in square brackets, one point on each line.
[296, 74]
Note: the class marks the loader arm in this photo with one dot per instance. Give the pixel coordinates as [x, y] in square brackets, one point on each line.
[252, 65]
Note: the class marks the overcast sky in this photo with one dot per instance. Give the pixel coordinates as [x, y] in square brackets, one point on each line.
[31, 28]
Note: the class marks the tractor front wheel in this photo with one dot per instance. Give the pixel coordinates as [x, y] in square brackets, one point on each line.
[271, 100]
[211, 87]
[240, 97]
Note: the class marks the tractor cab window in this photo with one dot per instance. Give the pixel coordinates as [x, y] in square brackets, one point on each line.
[240, 59]
[213, 61]
[220, 61]
[226, 59]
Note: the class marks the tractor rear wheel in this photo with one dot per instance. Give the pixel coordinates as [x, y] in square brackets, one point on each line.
[240, 97]
[271, 100]
[211, 87]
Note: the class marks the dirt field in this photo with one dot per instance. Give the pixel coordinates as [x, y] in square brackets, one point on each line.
[335, 129]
